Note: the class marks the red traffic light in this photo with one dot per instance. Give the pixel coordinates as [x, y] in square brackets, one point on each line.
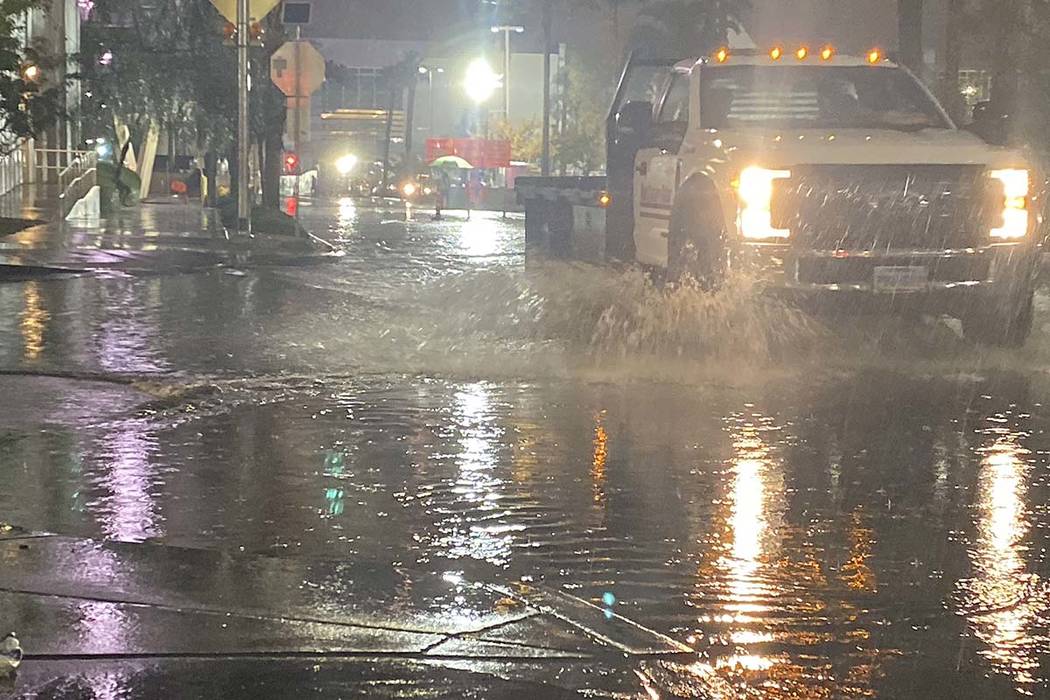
[291, 162]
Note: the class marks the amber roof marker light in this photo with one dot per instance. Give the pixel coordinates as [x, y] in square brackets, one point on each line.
[802, 54]
[722, 55]
[826, 53]
[874, 56]
[776, 53]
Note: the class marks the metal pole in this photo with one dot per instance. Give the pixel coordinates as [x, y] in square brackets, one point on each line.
[430, 97]
[297, 118]
[545, 159]
[506, 74]
[243, 202]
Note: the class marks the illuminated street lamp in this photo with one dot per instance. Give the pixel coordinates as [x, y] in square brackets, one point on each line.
[345, 164]
[30, 72]
[481, 81]
[506, 30]
[429, 72]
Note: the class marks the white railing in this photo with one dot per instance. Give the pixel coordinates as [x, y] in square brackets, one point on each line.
[73, 173]
[61, 166]
[12, 169]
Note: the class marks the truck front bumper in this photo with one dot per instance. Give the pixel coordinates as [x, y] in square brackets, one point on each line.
[943, 281]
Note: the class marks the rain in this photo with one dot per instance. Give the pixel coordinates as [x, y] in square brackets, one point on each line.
[416, 400]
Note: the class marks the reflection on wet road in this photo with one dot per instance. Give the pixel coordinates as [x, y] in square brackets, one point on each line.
[813, 524]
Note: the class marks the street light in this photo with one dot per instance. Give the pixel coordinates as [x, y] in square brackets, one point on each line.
[429, 72]
[345, 164]
[481, 81]
[507, 29]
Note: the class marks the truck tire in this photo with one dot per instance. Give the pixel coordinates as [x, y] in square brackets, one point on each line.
[696, 241]
[1002, 327]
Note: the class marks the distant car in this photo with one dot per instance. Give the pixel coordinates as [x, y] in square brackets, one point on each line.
[418, 190]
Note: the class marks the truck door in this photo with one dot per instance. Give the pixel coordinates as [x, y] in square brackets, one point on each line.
[657, 170]
[627, 130]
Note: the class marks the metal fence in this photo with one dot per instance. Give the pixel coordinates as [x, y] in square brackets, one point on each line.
[12, 169]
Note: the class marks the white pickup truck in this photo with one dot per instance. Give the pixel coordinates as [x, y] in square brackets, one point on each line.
[829, 177]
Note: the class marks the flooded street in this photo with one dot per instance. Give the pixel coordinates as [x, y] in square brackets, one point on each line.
[817, 508]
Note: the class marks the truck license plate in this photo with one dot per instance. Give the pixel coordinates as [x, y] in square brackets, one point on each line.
[900, 278]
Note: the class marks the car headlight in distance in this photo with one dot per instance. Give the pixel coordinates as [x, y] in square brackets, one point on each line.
[346, 163]
[755, 190]
[1016, 183]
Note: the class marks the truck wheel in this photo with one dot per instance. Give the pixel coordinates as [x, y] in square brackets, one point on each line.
[1001, 327]
[696, 246]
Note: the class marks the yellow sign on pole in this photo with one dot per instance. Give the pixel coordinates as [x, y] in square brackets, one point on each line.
[257, 9]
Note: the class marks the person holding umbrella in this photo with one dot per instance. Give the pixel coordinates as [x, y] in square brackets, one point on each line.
[443, 168]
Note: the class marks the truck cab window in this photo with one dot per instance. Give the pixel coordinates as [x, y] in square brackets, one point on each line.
[672, 120]
[675, 107]
[815, 97]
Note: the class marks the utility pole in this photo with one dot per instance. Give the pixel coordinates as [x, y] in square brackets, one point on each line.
[506, 29]
[909, 34]
[506, 75]
[545, 158]
[297, 123]
[243, 201]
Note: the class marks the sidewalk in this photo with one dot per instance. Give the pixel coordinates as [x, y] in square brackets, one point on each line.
[31, 202]
[174, 622]
[152, 237]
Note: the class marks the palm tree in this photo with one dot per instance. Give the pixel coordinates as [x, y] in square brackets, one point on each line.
[685, 27]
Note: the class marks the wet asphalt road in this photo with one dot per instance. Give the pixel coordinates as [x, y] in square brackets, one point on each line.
[856, 511]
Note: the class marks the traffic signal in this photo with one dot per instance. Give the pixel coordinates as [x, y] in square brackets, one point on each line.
[291, 162]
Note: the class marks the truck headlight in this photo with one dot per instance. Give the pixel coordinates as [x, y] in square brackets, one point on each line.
[755, 191]
[1015, 183]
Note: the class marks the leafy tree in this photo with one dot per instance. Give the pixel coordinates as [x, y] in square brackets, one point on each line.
[579, 145]
[166, 64]
[1006, 36]
[526, 140]
[685, 27]
[399, 78]
[26, 107]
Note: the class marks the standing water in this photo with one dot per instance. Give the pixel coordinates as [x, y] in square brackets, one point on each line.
[820, 509]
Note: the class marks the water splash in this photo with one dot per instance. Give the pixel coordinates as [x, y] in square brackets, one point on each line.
[555, 314]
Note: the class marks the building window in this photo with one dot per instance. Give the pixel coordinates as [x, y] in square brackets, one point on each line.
[360, 88]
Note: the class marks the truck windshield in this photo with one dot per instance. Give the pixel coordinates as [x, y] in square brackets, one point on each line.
[815, 97]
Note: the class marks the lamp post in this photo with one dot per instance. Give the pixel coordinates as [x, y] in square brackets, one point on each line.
[481, 81]
[507, 29]
[429, 72]
[243, 202]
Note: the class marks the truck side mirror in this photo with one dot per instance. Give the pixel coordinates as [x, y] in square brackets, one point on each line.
[635, 118]
[990, 123]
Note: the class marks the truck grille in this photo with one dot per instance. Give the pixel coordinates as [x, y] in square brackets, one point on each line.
[881, 208]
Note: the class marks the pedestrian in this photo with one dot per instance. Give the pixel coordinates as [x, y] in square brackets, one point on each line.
[443, 185]
[473, 191]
